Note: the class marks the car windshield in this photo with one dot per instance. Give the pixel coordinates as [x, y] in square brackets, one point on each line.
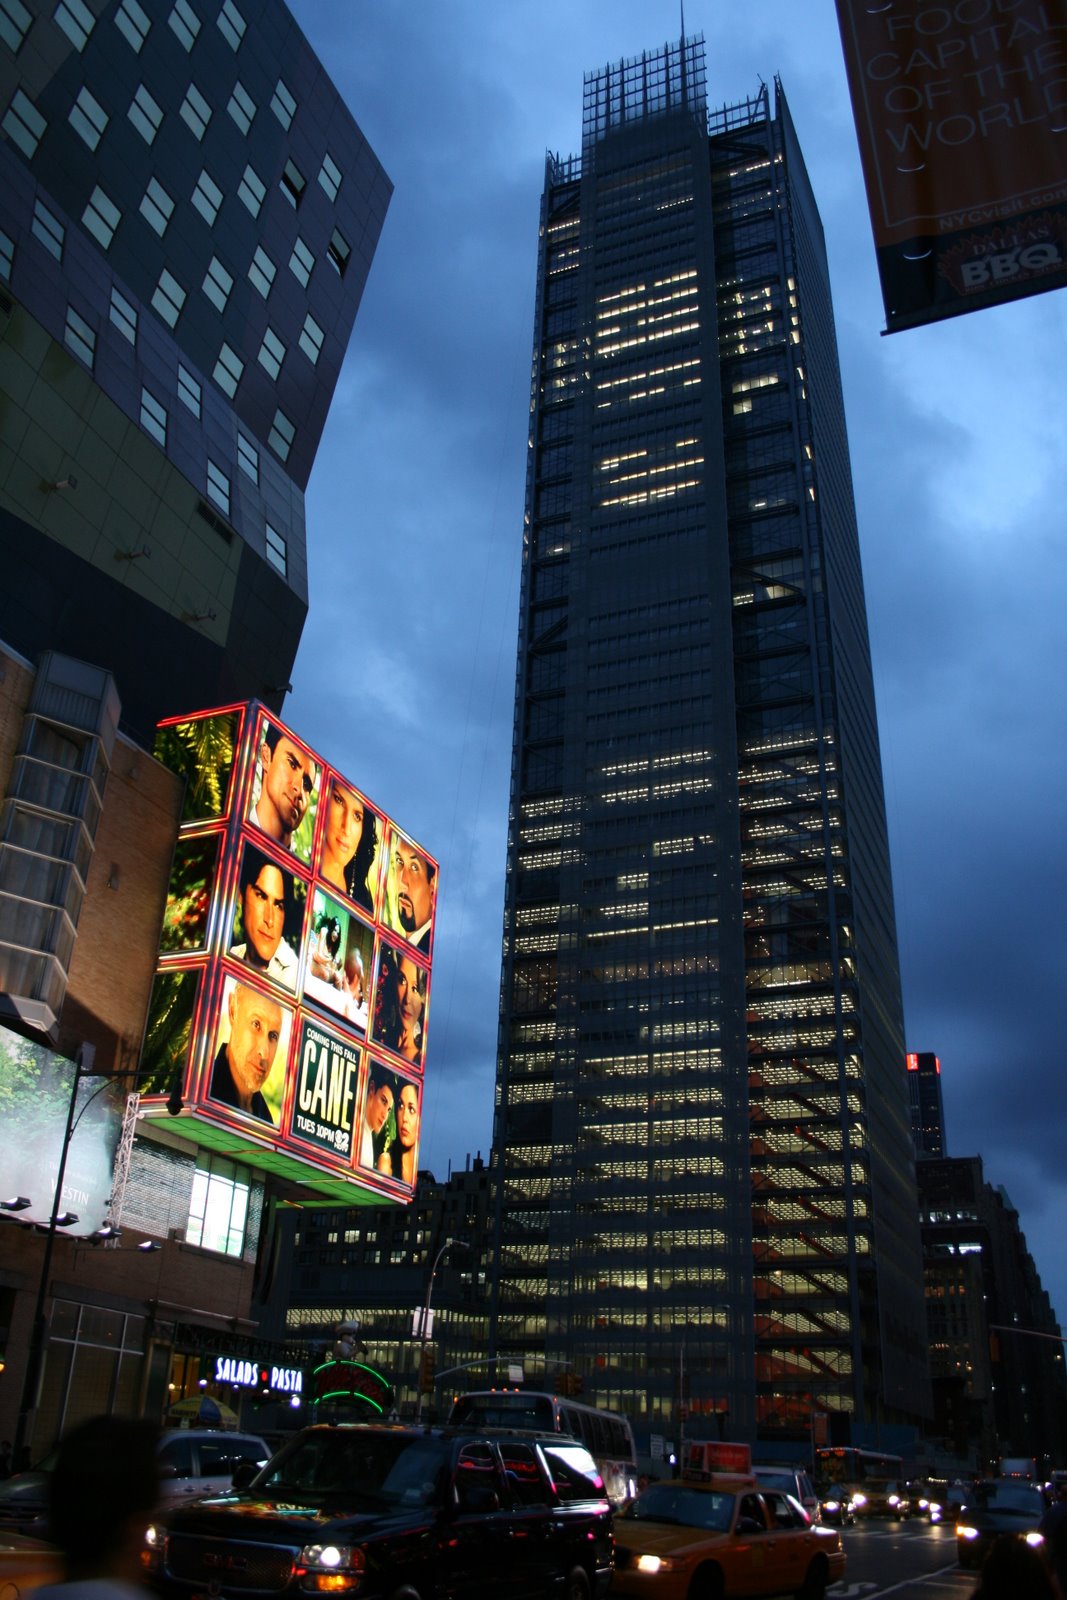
[375, 1470]
[689, 1508]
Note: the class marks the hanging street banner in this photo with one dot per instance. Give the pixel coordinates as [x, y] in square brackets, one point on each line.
[961, 115]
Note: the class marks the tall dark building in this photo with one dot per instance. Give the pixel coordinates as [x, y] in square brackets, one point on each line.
[926, 1104]
[188, 213]
[707, 1196]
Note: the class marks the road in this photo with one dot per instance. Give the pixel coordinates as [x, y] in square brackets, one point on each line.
[910, 1561]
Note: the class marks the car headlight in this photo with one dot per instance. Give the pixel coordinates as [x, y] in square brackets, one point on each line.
[330, 1568]
[964, 1530]
[859, 1500]
[657, 1564]
[1034, 1539]
[894, 1499]
[155, 1539]
[831, 1505]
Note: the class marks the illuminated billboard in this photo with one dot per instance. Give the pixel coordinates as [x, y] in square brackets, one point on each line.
[289, 1015]
[960, 112]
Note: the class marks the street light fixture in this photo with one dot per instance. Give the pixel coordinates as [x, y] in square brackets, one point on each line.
[424, 1320]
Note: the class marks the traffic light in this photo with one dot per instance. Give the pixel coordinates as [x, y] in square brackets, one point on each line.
[427, 1366]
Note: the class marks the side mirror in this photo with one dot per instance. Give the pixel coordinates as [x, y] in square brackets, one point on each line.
[243, 1474]
[168, 1470]
[749, 1525]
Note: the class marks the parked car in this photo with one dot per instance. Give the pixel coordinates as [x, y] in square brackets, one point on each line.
[192, 1461]
[726, 1535]
[998, 1506]
[836, 1504]
[791, 1480]
[387, 1509]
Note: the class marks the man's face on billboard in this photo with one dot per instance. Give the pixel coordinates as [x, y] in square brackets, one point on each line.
[255, 1031]
[413, 886]
[263, 909]
[379, 1104]
[288, 779]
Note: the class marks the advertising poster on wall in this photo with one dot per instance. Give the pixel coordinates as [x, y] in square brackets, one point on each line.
[294, 963]
[960, 113]
[35, 1100]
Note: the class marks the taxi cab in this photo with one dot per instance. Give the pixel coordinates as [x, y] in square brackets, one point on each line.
[711, 1535]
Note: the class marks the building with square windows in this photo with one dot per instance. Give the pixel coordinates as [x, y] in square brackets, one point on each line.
[707, 1202]
[188, 213]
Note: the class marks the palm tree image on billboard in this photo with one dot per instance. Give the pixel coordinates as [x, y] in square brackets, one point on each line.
[289, 1012]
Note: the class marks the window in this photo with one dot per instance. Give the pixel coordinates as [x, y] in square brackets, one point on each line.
[283, 105]
[242, 107]
[133, 23]
[248, 458]
[184, 23]
[271, 353]
[277, 550]
[7, 255]
[207, 197]
[188, 391]
[218, 283]
[292, 183]
[228, 370]
[157, 207]
[218, 1206]
[24, 124]
[101, 217]
[48, 229]
[168, 298]
[145, 114]
[252, 190]
[330, 176]
[261, 272]
[79, 337]
[301, 262]
[14, 24]
[195, 111]
[153, 418]
[76, 20]
[281, 435]
[231, 24]
[338, 251]
[88, 118]
[311, 337]
[123, 315]
[218, 487]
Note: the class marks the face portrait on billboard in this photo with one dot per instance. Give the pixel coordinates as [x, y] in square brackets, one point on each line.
[349, 849]
[378, 1103]
[284, 791]
[248, 1072]
[400, 1004]
[411, 886]
[267, 917]
[400, 1157]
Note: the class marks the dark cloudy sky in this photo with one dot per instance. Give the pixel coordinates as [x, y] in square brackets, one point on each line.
[959, 453]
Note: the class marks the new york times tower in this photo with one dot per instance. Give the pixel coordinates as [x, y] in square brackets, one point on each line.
[707, 1200]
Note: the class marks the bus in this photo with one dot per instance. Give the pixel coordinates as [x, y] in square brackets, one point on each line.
[606, 1435]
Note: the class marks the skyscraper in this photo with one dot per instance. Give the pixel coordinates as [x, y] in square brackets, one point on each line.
[188, 212]
[707, 1200]
[926, 1104]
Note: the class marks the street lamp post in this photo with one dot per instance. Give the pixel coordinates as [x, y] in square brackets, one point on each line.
[424, 1321]
[83, 1068]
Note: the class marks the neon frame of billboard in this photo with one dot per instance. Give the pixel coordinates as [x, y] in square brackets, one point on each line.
[295, 961]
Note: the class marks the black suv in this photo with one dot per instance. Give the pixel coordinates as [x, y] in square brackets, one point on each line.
[396, 1513]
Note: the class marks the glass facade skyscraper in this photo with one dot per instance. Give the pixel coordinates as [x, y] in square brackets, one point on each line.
[707, 1200]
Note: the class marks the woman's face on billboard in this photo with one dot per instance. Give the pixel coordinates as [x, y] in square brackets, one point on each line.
[407, 1116]
[344, 829]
